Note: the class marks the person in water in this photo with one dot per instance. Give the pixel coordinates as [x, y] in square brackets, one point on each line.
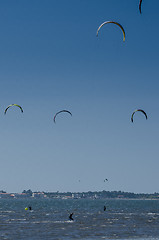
[30, 208]
[70, 217]
[105, 208]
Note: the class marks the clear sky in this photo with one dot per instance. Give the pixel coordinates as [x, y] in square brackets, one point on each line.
[51, 59]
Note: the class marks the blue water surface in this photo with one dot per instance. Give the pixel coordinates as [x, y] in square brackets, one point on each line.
[49, 219]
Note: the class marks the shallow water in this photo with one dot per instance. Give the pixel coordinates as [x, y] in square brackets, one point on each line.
[123, 219]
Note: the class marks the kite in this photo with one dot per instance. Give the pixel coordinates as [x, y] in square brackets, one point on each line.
[140, 5]
[114, 23]
[13, 105]
[138, 110]
[61, 112]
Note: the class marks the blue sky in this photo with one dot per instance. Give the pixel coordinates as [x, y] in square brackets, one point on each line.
[51, 59]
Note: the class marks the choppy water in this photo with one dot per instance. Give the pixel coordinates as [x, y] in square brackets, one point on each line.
[123, 219]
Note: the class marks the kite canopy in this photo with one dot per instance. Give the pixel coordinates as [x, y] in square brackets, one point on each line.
[114, 23]
[105, 180]
[138, 110]
[140, 5]
[61, 112]
[13, 105]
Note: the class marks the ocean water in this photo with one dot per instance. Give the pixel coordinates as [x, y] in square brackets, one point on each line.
[49, 219]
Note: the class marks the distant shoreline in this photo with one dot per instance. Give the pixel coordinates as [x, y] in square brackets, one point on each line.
[106, 195]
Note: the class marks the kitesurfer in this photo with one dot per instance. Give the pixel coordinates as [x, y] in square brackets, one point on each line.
[105, 208]
[70, 217]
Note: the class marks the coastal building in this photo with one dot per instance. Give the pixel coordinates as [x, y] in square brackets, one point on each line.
[6, 195]
[39, 195]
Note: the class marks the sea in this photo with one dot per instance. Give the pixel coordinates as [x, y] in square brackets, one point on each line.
[49, 219]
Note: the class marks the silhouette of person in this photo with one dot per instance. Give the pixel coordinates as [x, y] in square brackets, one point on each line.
[70, 217]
